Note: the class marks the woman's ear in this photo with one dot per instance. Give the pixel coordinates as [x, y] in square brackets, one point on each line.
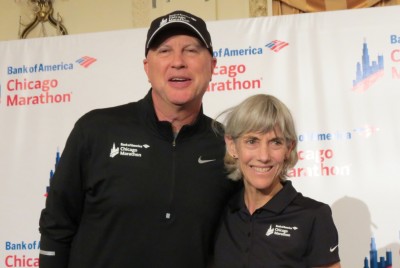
[290, 149]
[231, 146]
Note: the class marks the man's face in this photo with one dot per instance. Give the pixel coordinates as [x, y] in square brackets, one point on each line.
[179, 70]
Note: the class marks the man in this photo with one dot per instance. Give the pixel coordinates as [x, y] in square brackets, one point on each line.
[143, 184]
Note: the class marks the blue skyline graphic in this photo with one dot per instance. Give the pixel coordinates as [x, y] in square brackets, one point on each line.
[373, 258]
[366, 68]
[52, 172]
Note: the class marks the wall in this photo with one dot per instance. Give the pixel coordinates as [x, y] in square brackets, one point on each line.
[341, 82]
[105, 15]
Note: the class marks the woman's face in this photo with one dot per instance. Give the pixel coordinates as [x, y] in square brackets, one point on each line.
[261, 157]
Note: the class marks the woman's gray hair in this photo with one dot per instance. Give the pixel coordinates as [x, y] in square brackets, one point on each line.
[259, 113]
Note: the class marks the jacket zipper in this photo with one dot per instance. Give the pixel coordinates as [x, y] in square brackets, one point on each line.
[168, 214]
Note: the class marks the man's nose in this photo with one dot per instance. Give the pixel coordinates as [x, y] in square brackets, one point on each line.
[178, 61]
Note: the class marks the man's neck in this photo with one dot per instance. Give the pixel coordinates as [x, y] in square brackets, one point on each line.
[178, 116]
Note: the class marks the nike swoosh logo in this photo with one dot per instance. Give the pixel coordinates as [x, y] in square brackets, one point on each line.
[203, 161]
[333, 249]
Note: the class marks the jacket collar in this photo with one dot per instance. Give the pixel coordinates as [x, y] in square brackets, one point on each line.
[164, 128]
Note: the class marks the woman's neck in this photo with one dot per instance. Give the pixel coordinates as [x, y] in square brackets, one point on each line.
[256, 198]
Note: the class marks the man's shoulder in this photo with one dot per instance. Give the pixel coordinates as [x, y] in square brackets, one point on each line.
[121, 112]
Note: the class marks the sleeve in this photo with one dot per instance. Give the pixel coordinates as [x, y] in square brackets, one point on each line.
[60, 218]
[324, 241]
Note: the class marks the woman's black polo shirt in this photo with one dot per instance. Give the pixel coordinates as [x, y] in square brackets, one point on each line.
[289, 231]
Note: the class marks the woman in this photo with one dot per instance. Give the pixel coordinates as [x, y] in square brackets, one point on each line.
[269, 223]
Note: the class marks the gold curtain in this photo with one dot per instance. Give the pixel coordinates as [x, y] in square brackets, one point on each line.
[283, 7]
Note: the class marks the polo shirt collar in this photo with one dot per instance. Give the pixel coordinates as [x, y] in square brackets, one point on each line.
[282, 199]
[276, 205]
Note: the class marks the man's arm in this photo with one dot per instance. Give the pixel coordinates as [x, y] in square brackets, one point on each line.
[60, 218]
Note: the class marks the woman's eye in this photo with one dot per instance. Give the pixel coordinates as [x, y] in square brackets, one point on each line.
[250, 141]
[276, 143]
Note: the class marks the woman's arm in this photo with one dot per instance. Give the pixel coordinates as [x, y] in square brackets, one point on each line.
[335, 265]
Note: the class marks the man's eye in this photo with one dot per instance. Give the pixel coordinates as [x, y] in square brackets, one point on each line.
[163, 49]
[192, 49]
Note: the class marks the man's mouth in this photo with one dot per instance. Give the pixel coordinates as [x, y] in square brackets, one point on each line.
[178, 79]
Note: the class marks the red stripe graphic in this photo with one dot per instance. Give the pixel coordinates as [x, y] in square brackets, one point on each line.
[86, 61]
[277, 45]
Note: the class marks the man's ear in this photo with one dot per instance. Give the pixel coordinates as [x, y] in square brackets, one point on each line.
[145, 66]
[231, 146]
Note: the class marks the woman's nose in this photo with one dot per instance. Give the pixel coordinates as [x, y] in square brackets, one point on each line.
[263, 153]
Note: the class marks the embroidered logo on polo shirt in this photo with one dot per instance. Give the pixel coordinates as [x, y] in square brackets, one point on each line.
[203, 161]
[280, 230]
[128, 149]
[332, 249]
[114, 151]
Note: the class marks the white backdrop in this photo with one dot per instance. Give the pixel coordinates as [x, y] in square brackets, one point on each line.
[339, 73]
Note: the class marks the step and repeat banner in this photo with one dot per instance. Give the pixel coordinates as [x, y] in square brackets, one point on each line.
[339, 73]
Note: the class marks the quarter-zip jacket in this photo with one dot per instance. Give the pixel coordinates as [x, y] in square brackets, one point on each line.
[127, 194]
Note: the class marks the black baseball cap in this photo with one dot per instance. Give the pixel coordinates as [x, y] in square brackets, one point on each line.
[179, 20]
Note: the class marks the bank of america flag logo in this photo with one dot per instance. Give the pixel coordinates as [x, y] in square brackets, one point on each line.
[86, 61]
[276, 45]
